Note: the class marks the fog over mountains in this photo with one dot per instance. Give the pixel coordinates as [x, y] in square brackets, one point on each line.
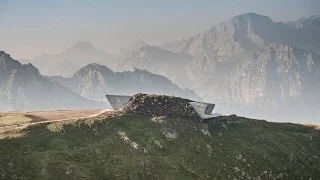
[310, 23]
[23, 88]
[70, 60]
[94, 81]
[248, 65]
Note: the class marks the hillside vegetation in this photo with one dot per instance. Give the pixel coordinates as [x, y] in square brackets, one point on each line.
[142, 147]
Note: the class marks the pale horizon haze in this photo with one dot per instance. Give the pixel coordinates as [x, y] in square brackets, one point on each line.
[31, 28]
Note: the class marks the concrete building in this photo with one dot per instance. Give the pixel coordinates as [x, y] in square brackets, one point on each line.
[118, 101]
[204, 110]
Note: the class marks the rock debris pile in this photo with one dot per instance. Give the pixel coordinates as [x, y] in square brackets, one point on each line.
[160, 105]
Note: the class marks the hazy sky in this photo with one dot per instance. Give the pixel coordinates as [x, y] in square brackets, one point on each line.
[29, 28]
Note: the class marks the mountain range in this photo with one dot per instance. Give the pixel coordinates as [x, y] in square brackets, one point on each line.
[94, 81]
[248, 65]
[313, 22]
[23, 88]
[70, 60]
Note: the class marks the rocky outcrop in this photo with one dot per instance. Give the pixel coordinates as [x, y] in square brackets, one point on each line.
[160, 105]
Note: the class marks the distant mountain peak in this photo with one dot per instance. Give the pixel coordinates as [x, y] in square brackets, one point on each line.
[2, 53]
[80, 46]
[252, 14]
[24, 88]
[277, 46]
[252, 17]
[7, 61]
[93, 67]
[140, 41]
[173, 45]
[136, 45]
[305, 18]
[314, 16]
[311, 22]
[83, 45]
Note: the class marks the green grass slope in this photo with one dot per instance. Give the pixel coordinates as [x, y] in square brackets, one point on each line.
[139, 147]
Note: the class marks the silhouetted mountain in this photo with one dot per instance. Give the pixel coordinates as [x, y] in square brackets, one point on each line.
[78, 55]
[94, 81]
[23, 88]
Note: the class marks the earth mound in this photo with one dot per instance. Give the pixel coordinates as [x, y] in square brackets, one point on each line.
[160, 105]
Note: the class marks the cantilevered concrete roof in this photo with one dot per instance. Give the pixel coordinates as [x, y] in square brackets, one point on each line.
[204, 110]
[118, 101]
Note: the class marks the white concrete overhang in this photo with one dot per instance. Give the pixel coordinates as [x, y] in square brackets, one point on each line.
[118, 101]
[204, 110]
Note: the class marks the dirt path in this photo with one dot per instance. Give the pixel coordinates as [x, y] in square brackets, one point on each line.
[39, 121]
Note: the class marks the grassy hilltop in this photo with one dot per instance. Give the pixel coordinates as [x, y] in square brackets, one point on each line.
[122, 146]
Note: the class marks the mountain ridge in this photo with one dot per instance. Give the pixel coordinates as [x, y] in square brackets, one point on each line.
[312, 22]
[22, 88]
[70, 60]
[218, 53]
[94, 81]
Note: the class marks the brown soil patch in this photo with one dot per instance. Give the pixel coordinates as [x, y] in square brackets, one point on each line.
[38, 116]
